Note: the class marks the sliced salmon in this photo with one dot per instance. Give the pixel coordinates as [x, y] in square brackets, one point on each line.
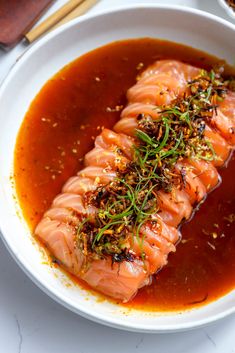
[101, 157]
[64, 215]
[100, 175]
[224, 118]
[221, 147]
[175, 206]
[151, 94]
[120, 281]
[109, 139]
[136, 109]
[59, 238]
[126, 126]
[58, 228]
[150, 245]
[79, 185]
[174, 68]
[192, 185]
[205, 171]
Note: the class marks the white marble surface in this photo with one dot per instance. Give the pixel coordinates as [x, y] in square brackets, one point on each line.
[31, 322]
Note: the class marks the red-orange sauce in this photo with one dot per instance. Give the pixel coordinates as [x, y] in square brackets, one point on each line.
[60, 127]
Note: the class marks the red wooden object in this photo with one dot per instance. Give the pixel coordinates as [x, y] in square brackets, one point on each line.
[17, 17]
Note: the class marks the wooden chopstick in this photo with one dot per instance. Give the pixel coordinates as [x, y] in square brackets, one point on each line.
[78, 11]
[52, 20]
[63, 15]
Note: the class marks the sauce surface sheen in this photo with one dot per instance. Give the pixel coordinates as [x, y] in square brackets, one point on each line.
[60, 127]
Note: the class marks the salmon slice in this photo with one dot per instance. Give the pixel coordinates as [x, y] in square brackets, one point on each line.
[126, 126]
[175, 206]
[109, 139]
[109, 151]
[98, 174]
[180, 71]
[155, 242]
[154, 258]
[64, 215]
[221, 147]
[72, 201]
[205, 171]
[151, 94]
[59, 238]
[120, 281]
[192, 185]
[159, 85]
[135, 109]
[224, 118]
[79, 185]
[153, 235]
[168, 232]
[105, 158]
[165, 80]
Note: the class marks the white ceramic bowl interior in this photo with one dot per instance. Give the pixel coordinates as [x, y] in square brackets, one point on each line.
[34, 68]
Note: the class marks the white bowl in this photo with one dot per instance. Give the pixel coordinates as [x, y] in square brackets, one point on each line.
[191, 27]
[227, 8]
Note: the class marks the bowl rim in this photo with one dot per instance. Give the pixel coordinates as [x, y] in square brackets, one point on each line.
[46, 288]
[227, 8]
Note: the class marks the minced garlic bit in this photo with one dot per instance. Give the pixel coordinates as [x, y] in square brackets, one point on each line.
[214, 235]
[211, 245]
[97, 180]
[230, 218]
[47, 120]
[116, 109]
[140, 66]
[83, 127]
[184, 241]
